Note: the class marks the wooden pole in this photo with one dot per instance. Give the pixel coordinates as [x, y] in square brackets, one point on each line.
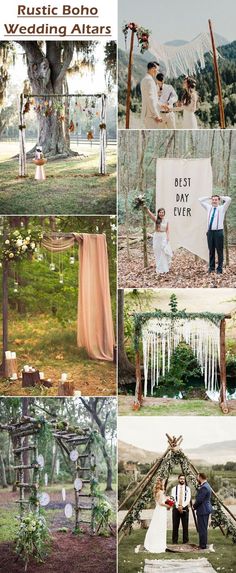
[223, 401]
[128, 96]
[218, 80]
[138, 389]
[5, 269]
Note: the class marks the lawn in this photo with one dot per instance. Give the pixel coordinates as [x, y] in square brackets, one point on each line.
[72, 186]
[42, 342]
[170, 407]
[224, 558]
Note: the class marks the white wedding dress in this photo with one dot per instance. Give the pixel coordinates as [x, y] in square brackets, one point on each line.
[155, 539]
[162, 249]
[189, 118]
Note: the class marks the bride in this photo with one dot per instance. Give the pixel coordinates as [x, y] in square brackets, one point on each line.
[161, 246]
[189, 103]
[155, 539]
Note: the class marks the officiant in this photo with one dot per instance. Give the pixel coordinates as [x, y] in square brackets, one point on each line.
[167, 97]
[181, 493]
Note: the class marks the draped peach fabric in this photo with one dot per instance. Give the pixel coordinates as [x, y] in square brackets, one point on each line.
[95, 326]
[94, 323]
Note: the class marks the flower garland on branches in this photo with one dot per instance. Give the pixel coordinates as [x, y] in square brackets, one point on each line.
[20, 244]
[141, 33]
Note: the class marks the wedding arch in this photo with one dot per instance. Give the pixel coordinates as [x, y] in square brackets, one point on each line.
[95, 330]
[44, 100]
[77, 444]
[161, 332]
[142, 493]
[178, 60]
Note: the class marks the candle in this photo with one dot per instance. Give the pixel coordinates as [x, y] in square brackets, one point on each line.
[41, 375]
[26, 368]
[13, 355]
[64, 377]
[77, 393]
[8, 354]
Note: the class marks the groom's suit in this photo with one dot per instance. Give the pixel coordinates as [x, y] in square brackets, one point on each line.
[203, 509]
[150, 105]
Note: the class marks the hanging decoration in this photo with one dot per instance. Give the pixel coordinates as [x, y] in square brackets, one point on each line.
[161, 336]
[186, 59]
[142, 35]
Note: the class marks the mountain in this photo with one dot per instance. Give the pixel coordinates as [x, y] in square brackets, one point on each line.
[208, 454]
[219, 41]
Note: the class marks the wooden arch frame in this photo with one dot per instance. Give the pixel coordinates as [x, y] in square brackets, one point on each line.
[185, 315]
[22, 126]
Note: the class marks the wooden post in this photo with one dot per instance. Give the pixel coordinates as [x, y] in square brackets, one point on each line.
[5, 269]
[218, 80]
[102, 159]
[22, 152]
[128, 96]
[138, 389]
[223, 402]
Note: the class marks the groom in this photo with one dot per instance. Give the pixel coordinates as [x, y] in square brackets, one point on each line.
[182, 496]
[216, 208]
[150, 107]
[203, 509]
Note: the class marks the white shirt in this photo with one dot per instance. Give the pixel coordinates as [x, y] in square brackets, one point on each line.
[166, 95]
[218, 221]
[183, 491]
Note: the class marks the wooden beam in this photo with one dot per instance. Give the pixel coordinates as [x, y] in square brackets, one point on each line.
[218, 80]
[138, 388]
[223, 401]
[128, 96]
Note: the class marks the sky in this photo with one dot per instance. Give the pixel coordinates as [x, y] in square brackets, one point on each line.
[182, 19]
[88, 83]
[149, 432]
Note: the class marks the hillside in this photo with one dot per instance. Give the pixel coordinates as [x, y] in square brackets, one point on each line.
[208, 454]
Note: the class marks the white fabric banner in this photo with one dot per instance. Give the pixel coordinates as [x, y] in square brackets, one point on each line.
[179, 185]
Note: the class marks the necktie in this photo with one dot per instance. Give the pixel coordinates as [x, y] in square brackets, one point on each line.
[212, 218]
[181, 495]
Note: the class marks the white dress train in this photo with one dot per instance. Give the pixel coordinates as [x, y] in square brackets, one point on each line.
[162, 249]
[189, 118]
[155, 539]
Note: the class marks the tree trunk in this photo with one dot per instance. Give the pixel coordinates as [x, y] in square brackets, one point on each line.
[143, 137]
[47, 74]
[125, 367]
[26, 454]
[3, 472]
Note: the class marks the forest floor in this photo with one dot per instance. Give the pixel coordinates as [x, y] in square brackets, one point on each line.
[223, 559]
[43, 343]
[69, 553]
[185, 272]
[72, 186]
[171, 407]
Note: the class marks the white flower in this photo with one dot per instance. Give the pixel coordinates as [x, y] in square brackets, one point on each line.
[24, 248]
[32, 245]
[16, 233]
[19, 242]
[11, 255]
[7, 242]
[27, 240]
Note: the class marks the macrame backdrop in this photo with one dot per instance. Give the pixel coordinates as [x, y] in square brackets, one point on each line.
[161, 336]
[182, 60]
[94, 324]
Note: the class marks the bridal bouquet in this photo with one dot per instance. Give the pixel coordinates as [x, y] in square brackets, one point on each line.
[139, 202]
[170, 502]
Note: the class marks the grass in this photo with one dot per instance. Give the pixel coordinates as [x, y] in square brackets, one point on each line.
[224, 558]
[42, 342]
[8, 524]
[72, 186]
[178, 408]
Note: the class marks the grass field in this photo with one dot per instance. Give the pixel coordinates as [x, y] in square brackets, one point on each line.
[170, 407]
[224, 558]
[42, 342]
[72, 186]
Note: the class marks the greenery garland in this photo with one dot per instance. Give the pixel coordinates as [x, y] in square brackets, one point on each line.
[142, 317]
[174, 458]
[20, 244]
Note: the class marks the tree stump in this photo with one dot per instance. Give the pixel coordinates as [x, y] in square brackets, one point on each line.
[10, 367]
[66, 388]
[30, 379]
